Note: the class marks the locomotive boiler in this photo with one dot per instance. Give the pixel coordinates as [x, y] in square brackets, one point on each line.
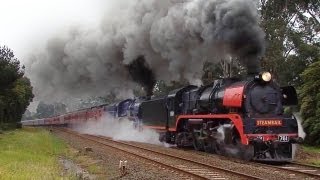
[233, 116]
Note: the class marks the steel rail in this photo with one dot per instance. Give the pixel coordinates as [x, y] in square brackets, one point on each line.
[208, 166]
[303, 169]
[181, 158]
[134, 154]
[306, 165]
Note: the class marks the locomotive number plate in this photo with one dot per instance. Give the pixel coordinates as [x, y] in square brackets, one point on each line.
[283, 138]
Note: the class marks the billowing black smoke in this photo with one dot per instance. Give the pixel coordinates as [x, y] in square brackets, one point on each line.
[238, 29]
[142, 74]
[172, 38]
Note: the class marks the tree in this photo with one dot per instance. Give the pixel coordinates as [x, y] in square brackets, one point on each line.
[15, 89]
[21, 96]
[291, 29]
[10, 68]
[161, 88]
[59, 108]
[44, 110]
[310, 103]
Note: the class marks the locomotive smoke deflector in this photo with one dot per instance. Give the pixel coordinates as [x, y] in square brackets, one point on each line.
[289, 96]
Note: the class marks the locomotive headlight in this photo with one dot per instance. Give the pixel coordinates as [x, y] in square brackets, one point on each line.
[266, 76]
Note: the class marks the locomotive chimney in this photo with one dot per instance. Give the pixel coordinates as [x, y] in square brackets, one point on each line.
[253, 70]
[253, 66]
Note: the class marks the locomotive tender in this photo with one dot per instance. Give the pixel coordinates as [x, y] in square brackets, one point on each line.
[245, 116]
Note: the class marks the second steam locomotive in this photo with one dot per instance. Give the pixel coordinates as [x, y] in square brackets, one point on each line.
[241, 116]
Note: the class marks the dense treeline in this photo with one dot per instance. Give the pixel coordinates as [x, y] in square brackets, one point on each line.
[310, 102]
[15, 89]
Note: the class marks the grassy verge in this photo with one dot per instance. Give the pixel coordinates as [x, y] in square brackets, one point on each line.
[311, 149]
[30, 153]
[314, 153]
[85, 161]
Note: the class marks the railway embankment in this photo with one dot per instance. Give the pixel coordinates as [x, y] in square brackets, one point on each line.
[147, 161]
[35, 153]
[308, 155]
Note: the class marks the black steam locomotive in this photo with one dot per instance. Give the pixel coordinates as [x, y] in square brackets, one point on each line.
[241, 117]
[237, 117]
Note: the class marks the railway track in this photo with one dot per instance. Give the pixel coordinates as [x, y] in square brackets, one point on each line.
[178, 164]
[298, 168]
[294, 167]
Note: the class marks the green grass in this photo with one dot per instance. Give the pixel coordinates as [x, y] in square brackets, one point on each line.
[316, 154]
[311, 149]
[85, 162]
[94, 169]
[30, 153]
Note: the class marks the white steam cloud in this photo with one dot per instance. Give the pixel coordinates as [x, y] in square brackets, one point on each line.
[301, 132]
[174, 37]
[118, 130]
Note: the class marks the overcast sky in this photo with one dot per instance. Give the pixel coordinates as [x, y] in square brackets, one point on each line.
[26, 24]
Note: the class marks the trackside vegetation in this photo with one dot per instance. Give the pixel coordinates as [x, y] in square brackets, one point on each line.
[312, 155]
[31, 153]
[15, 90]
[310, 103]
